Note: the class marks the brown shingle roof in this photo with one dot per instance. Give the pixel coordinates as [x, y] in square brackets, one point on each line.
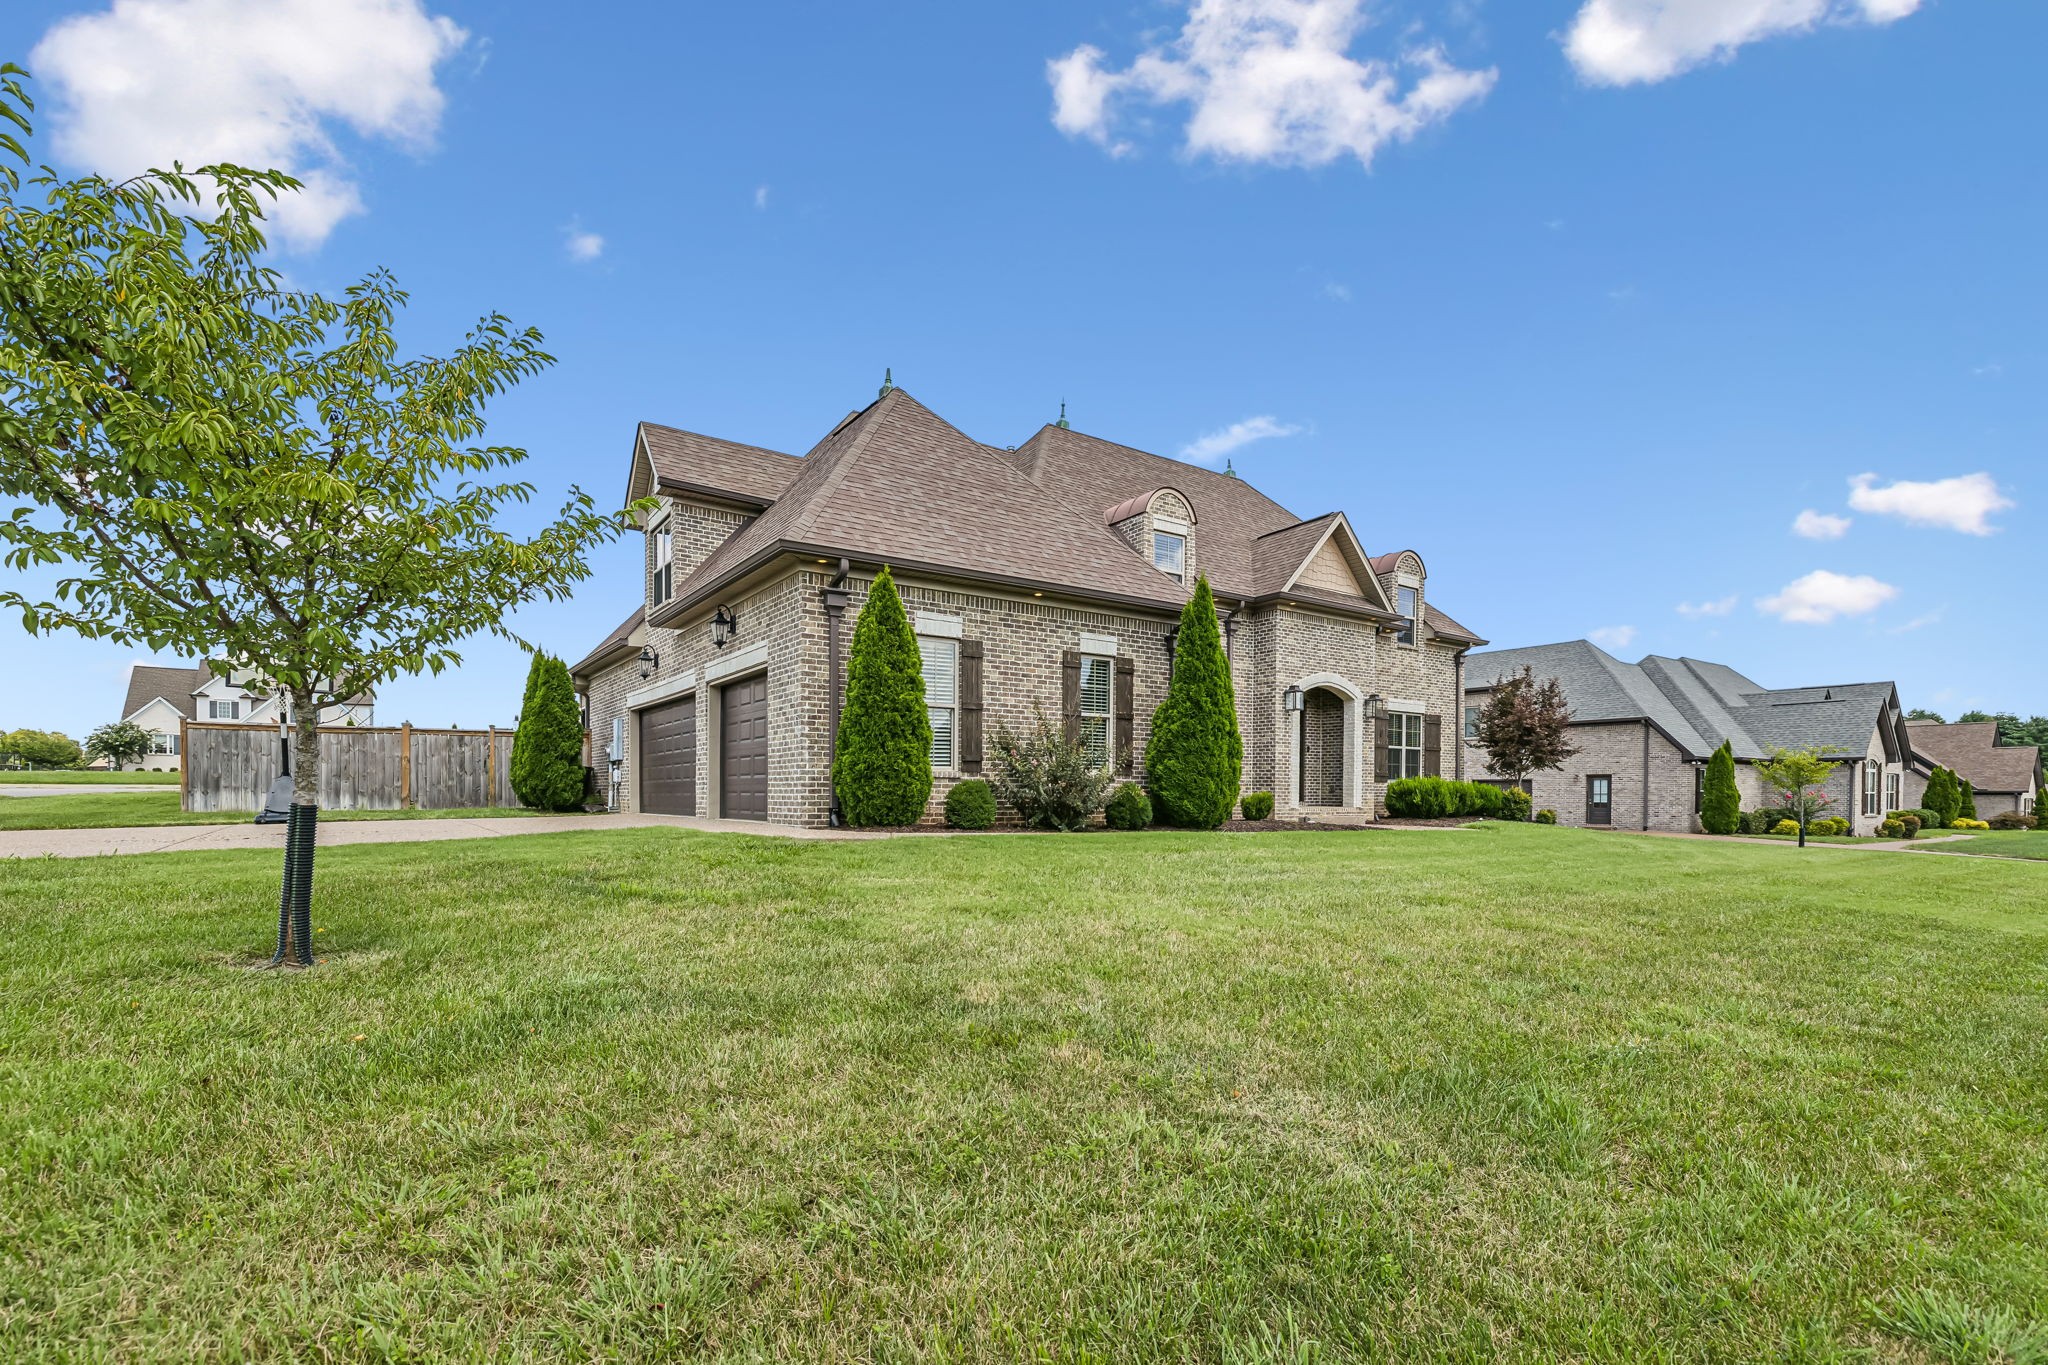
[688, 461]
[1972, 751]
[611, 644]
[1277, 555]
[1440, 624]
[147, 682]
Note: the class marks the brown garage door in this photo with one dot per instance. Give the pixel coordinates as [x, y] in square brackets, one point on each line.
[668, 758]
[743, 750]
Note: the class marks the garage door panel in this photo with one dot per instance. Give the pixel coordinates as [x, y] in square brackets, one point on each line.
[743, 750]
[668, 758]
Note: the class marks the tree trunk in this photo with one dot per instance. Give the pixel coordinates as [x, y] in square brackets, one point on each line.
[295, 900]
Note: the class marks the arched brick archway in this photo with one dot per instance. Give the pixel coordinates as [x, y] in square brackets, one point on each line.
[1327, 743]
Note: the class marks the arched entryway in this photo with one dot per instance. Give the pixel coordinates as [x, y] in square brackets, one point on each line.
[1321, 760]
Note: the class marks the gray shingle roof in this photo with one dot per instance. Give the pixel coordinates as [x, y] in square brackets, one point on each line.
[147, 682]
[1700, 704]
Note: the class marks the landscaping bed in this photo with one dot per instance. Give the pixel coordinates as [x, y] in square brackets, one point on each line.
[656, 1094]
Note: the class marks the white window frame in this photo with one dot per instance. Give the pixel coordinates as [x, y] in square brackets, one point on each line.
[1410, 632]
[166, 744]
[1472, 714]
[944, 712]
[218, 709]
[1894, 791]
[664, 586]
[1160, 537]
[1107, 715]
[1873, 774]
[1405, 760]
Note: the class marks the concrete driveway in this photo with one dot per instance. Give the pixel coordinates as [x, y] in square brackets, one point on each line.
[94, 843]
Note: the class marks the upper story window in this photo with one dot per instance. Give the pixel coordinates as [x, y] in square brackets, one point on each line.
[941, 695]
[224, 710]
[664, 564]
[1096, 675]
[1404, 745]
[1404, 603]
[1472, 722]
[1170, 554]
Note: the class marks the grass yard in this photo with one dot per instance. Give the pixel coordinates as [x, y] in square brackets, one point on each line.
[2004, 843]
[65, 777]
[113, 810]
[1516, 1093]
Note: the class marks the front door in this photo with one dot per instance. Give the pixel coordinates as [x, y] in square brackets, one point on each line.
[743, 750]
[1600, 800]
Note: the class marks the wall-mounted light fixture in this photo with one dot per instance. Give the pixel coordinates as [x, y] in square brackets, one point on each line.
[1372, 706]
[724, 625]
[649, 661]
[1292, 699]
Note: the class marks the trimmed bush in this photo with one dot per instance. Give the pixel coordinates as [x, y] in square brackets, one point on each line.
[1515, 804]
[971, 805]
[547, 752]
[1892, 829]
[1918, 818]
[882, 772]
[2008, 819]
[1969, 807]
[1721, 800]
[1545, 817]
[1257, 805]
[1194, 760]
[2041, 809]
[1965, 822]
[1440, 798]
[1128, 808]
[1048, 777]
[1832, 826]
[1785, 827]
[1944, 798]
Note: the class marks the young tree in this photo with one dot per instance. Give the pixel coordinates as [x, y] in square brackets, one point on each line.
[547, 751]
[1799, 776]
[1944, 797]
[241, 471]
[121, 742]
[1721, 799]
[1525, 726]
[2041, 809]
[42, 748]
[1966, 806]
[882, 771]
[1194, 759]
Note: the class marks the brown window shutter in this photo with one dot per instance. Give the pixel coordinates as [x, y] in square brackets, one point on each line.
[1432, 746]
[1382, 761]
[970, 706]
[1070, 695]
[1126, 697]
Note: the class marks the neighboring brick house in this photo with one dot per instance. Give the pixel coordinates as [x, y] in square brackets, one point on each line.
[1043, 579]
[161, 699]
[1646, 730]
[2003, 777]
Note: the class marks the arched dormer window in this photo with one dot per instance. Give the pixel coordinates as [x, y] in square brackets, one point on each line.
[1159, 525]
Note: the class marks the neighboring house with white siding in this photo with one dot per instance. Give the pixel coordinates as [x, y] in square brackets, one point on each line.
[1646, 730]
[161, 699]
[1048, 578]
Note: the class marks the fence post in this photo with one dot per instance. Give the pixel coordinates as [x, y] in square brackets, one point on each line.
[491, 768]
[184, 770]
[405, 766]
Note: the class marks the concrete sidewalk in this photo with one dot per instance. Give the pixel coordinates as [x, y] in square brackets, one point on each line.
[82, 788]
[93, 843]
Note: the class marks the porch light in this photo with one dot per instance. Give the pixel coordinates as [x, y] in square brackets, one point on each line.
[1372, 706]
[724, 625]
[1292, 698]
[649, 661]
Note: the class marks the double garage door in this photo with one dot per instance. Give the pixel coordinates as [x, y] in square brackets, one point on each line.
[668, 754]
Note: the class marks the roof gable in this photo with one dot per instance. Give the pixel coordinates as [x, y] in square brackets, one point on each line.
[1973, 751]
[671, 459]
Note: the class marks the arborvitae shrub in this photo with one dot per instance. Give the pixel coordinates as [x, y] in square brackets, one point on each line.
[1944, 797]
[1721, 800]
[883, 770]
[1195, 757]
[547, 752]
[1257, 805]
[1128, 808]
[971, 805]
[1968, 809]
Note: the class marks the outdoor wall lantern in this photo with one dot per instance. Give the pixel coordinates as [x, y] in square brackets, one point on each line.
[649, 661]
[724, 625]
[1372, 706]
[1292, 699]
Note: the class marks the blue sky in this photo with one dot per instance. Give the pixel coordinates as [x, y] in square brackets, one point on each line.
[1627, 287]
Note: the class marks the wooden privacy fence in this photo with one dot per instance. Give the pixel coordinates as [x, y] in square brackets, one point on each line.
[366, 767]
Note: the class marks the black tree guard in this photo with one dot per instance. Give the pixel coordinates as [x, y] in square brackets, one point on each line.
[295, 896]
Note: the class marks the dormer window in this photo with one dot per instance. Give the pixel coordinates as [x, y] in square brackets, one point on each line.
[1170, 554]
[1404, 603]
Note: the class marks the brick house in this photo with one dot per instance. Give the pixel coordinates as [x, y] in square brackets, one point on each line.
[2003, 777]
[1645, 731]
[1048, 578]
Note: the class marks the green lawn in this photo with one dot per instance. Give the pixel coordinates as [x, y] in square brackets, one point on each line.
[68, 778]
[1516, 1093]
[2004, 843]
[114, 809]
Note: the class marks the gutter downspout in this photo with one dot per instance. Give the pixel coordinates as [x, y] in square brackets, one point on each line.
[1646, 776]
[835, 611]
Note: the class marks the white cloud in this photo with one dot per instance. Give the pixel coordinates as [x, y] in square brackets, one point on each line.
[1821, 596]
[1628, 42]
[1720, 606]
[1932, 618]
[1958, 504]
[1268, 81]
[1821, 525]
[1214, 446]
[582, 245]
[255, 82]
[1337, 292]
[761, 197]
[1613, 637]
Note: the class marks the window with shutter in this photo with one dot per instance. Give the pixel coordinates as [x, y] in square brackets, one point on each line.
[1070, 696]
[1432, 746]
[970, 706]
[1126, 707]
[1096, 675]
[941, 696]
[1404, 752]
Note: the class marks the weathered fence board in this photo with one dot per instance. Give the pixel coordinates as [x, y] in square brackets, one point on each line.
[231, 767]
